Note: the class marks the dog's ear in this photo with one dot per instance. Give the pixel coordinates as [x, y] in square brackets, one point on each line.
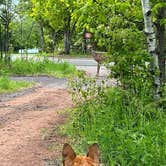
[68, 153]
[94, 153]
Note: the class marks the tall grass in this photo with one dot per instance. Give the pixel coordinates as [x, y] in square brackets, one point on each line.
[32, 67]
[7, 85]
[129, 130]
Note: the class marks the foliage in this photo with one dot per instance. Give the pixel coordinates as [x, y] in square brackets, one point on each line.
[25, 31]
[132, 70]
[25, 34]
[56, 16]
[86, 15]
[114, 16]
[7, 85]
[7, 10]
[130, 129]
[33, 67]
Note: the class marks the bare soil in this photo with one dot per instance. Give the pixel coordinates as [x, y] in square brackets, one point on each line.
[24, 122]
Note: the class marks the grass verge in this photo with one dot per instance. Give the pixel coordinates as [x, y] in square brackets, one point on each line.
[9, 86]
[39, 67]
[130, 130]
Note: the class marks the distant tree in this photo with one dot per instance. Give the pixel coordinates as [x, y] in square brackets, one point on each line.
[57, 15]
[7, 14]
[25, 34]
[25, 31]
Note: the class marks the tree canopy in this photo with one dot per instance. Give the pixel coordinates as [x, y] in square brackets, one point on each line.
[117, 27]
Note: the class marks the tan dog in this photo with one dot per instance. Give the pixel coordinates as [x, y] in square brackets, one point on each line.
[71, 159]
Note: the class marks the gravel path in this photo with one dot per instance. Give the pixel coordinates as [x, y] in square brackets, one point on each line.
[26, 118]
[42, 81]
[45, 81]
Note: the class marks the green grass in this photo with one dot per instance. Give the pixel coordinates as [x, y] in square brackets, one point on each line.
[130, 130]
[46, 67]
[9, 86]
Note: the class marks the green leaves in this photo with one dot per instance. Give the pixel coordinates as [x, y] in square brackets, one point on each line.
[157, 9]
[8, 86]
[128, 132]
[158, 6]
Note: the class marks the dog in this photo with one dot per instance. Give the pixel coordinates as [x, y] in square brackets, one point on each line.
[71, 159]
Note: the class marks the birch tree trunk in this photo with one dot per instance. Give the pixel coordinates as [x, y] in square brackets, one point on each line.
[152, 44]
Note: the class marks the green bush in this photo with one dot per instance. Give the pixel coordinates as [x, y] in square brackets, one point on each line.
[129, 129]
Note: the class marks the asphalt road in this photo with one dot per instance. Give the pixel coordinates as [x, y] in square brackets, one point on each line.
[74, 61]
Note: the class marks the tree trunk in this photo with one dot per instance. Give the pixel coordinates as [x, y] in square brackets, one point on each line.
[161, 43]
[54, 35]
[84, 44]
[1, 54]
[42, 36]
[67, 36]
[7, 43]
[152, 45]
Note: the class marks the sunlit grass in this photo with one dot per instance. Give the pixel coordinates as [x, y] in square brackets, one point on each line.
[40, 67]
[130, 129]
[9, 86]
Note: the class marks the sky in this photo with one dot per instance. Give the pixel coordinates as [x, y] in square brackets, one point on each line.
[15, 1]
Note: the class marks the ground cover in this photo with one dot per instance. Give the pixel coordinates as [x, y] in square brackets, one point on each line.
[130, 129]
[9, 86]
[39, 67]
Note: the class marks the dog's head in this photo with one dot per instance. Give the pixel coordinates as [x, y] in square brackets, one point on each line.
[71, 159]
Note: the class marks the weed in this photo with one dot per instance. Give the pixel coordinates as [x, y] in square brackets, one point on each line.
[129, 129]
[40, 67]
[7, 85]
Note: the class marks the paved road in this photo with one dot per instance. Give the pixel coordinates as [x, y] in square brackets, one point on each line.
[46, 81]
[79, 61]
[74, 61]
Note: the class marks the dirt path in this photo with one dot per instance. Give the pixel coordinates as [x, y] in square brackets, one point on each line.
[26, 116]
[23, 119]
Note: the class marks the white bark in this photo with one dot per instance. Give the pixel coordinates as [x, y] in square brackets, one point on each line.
[151, 40]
